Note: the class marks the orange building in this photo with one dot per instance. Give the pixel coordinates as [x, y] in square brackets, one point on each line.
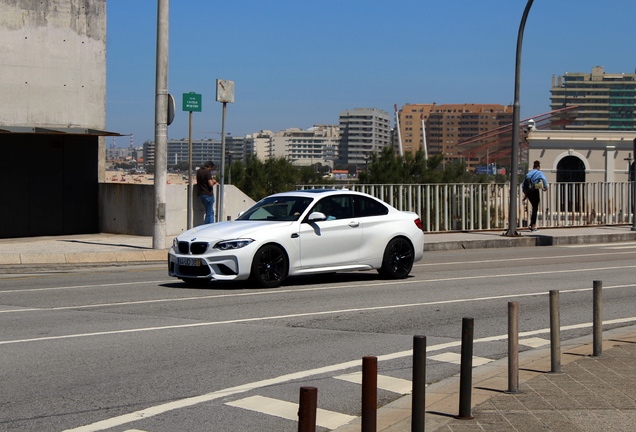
[447, 125]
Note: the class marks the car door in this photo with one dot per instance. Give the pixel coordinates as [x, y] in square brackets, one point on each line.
[332, 242]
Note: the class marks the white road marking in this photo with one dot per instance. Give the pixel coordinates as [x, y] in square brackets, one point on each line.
[542, 258]
[455, 358]
[289, 410]
[389, 383]
[298, 315]
[284, 291]
[19, 291]
[596, 245]
[191, 401]
[534, 342]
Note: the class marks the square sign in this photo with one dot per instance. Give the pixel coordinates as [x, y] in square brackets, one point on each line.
[224, 91]
[192, 102]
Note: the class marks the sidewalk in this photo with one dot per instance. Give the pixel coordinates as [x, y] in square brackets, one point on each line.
[120, 248]
[592, 394]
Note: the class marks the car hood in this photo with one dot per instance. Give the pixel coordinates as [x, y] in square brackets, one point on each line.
[231, 230]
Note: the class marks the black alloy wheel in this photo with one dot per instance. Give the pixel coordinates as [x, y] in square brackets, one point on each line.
[269, 267]
[398, 259]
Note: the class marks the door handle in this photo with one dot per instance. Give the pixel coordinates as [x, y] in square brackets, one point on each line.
[354, 224]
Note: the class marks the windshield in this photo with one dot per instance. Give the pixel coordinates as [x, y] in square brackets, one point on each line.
[287, 208]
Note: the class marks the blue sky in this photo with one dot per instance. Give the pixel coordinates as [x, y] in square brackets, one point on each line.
[299, 63]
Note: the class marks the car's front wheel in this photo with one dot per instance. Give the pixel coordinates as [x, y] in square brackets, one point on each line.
[397, 261]
[269, 267]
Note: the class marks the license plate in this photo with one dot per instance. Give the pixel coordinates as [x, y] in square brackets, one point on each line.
[192, 262]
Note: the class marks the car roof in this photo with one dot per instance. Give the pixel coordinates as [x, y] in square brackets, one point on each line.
[315, 193]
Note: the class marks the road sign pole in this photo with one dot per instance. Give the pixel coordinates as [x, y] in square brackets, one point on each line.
[189, 214]
[222, 182]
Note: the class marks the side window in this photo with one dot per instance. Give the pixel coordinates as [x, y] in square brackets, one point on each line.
[335, 207]
[365, 207]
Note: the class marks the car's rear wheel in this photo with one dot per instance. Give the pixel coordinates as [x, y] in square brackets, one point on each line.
[269, 267]
[196, 282]
[397, 261]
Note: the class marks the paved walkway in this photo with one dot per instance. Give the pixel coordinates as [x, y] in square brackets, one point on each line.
[593, 393]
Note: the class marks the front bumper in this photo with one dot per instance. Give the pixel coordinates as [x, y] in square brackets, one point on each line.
[212, 266]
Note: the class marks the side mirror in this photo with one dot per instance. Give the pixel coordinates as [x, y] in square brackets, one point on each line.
[316, 217]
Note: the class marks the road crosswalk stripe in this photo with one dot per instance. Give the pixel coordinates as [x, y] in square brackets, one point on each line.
[534, 342]
[455, 358]
[289, 411]
[392, 384]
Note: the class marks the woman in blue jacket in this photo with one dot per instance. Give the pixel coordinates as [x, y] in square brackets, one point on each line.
[533, 196]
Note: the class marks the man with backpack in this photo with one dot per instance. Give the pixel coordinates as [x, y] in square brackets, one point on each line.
[534, 181]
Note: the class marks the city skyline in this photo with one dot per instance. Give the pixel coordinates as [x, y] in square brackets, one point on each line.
[296, 65]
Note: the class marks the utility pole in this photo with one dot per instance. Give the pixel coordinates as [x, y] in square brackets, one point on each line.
[512, 217]
[161, 126]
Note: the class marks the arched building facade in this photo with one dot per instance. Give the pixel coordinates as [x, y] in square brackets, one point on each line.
[582, 156]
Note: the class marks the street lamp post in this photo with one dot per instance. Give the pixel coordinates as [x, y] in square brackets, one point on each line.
[161, 125]
[512, 217]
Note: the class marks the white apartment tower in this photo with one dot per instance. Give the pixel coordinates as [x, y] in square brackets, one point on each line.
[363, 131]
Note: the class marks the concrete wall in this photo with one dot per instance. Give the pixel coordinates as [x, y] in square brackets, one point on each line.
[128, 208]
[53, 63]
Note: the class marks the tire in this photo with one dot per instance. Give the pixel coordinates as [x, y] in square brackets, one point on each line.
[269, 267]
[397, 261]
[195, 282]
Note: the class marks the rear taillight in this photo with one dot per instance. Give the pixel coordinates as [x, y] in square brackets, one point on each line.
[418, 222]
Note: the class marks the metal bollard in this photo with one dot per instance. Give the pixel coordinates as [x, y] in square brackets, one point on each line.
[307, 409]
[369, 394]
[513, 348]
[598, 318]
[418, 405]
[555, 333]
[466, 369]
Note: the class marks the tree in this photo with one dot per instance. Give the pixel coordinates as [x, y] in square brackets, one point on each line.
[387, 168]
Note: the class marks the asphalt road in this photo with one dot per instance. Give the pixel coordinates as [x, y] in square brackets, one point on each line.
[124, 348]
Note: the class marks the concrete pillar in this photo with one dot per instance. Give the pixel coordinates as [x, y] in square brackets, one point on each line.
[610, 153]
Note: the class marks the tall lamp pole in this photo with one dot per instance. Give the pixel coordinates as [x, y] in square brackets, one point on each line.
[161, 126]
[512, 217]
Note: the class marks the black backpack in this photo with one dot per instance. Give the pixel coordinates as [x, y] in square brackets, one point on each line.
[527, 185]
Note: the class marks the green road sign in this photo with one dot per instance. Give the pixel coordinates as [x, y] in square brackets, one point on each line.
[191, 102]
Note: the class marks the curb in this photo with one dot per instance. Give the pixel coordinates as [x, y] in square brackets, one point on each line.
[83, 257]
[527, 241]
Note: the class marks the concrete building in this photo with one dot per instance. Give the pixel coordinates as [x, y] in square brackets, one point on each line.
[260, 142]
[52, 109]
[582, 156]
[445, 126]
[317, 144]
[606, 101]
[363, 131]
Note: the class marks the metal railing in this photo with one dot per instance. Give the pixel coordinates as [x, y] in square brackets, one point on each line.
[485, 206]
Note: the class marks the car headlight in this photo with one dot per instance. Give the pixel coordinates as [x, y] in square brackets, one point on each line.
[175, 243]
[232, 244]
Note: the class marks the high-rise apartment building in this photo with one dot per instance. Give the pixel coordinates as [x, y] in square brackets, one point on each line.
[605, 101]
[362, 132]
[445, 126]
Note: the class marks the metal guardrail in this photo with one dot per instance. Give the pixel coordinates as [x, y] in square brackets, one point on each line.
[485, 206]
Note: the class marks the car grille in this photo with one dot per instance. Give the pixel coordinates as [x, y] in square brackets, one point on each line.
[184, 247]
[196, 248]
